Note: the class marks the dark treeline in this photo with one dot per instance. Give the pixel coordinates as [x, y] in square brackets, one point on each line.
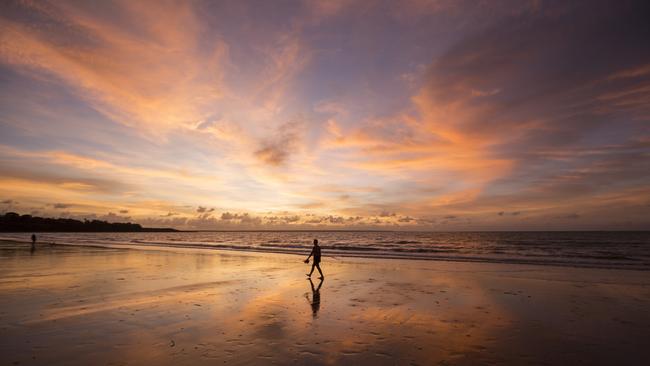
[13, 222]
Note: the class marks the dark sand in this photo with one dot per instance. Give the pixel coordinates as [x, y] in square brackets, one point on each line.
[66, 305]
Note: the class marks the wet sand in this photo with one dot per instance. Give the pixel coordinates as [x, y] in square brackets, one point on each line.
[64, 305]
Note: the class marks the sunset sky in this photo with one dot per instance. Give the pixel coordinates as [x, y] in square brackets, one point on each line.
[407, 115]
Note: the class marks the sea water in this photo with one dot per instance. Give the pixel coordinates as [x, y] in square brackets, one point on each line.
[584, 249]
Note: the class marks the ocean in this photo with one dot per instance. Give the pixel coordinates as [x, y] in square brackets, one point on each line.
[620, 250]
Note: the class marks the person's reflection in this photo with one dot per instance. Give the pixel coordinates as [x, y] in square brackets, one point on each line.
[315, 297]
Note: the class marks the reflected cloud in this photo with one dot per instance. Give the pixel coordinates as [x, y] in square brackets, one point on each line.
[249, 306]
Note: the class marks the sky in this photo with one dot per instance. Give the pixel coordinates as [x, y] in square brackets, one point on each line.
[390, 115]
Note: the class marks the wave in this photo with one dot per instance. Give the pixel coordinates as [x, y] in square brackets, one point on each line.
[624, 254]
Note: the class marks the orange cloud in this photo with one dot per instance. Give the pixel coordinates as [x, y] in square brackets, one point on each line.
[151, 73]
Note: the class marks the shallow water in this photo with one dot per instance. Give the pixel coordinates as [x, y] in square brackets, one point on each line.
[67, 305]
[580, 249]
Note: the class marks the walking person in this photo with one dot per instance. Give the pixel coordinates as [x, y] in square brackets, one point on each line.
[316, 253]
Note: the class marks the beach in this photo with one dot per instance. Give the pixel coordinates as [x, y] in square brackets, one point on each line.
[66, 305]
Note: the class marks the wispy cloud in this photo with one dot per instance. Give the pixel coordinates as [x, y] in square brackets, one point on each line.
[421, 114]
[151, 73]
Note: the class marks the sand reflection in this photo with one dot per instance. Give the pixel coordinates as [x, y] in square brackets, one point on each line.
[314, 302]
[169, 307]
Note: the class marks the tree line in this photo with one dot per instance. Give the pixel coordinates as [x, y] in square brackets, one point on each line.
[13, 222]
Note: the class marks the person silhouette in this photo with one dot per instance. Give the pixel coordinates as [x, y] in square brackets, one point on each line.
[315, 251]
[33, 242]
[315, 297]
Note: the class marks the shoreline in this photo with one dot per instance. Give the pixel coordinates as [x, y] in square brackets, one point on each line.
[66, 304]
[342, 254]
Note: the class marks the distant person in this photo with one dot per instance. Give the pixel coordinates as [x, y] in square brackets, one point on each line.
[315, 251]
[315, 298]
[33, 248]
